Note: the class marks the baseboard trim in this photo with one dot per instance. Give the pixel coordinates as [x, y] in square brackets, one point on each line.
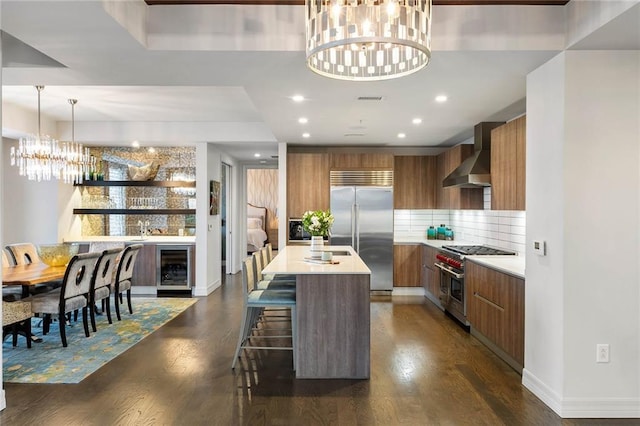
[408, 291]
[144, 290]
[3, 400]
[211, 287]
[572, 408]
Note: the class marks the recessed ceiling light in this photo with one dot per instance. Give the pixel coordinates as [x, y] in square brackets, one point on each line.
[417, 120]
[297, 98]
[257, 155]
[135, 144]
[151, 149]
[441, 98]
[303, 120]
[306, 135]
[402, 135]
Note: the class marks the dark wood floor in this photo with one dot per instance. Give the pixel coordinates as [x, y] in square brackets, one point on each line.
[425, 371]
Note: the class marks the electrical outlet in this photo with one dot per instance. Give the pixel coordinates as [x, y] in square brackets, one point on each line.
[602, 352]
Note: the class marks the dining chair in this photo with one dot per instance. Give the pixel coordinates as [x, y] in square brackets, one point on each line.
[103, 277]
[10, 293]
[254, 302]
[124, 275]
[16, 318]
[72, 295]
[25, 254]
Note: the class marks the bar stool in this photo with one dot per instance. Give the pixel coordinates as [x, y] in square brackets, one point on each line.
[255, 301]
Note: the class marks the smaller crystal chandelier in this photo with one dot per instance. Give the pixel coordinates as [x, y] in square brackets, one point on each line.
[40, 157]
[367, 40]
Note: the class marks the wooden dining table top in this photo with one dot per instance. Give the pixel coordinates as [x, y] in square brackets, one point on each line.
[31, 274]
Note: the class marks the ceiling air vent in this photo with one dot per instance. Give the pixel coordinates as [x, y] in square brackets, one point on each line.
[369, 98]
[348, 135]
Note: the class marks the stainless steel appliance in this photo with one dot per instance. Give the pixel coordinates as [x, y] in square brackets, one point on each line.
[297, 232]
[450, 261]
[362, 205]
[173, 267]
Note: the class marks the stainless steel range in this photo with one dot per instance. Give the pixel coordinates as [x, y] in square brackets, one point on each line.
[450, 261]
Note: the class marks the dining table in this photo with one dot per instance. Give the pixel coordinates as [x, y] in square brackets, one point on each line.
[30, 275]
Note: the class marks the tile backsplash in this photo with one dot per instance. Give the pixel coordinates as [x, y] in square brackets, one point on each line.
[498, 228]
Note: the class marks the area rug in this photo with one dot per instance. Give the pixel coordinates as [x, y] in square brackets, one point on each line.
[49, 362]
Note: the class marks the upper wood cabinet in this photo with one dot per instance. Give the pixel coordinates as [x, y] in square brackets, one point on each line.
[360, 161]
[414, 182]
[307, 183]
[456, 198]
[508, 157]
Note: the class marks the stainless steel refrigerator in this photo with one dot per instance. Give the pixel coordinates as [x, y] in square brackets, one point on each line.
[364, 220]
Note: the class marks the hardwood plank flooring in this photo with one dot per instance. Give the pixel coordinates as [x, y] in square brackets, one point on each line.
[425, 370]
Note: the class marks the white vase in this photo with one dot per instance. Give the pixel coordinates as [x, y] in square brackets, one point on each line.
[317, 243]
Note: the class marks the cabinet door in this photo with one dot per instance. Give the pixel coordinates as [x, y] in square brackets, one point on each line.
[307, 183]
[358, 161]
[431, 275]
[414, 182]
[407, 265]
[521, 160]
[144, 271]
[508, 157]
[495, 308]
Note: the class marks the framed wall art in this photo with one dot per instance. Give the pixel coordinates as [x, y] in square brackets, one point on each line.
[214, 197]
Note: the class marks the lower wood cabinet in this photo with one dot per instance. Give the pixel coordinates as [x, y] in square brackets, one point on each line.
[430, 274]
[495, 310]
[407, 265]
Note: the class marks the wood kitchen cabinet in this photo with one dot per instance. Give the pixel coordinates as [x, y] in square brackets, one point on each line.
[414, 182]
[495, 310]
[508, 158]
[455, 198]
[431, 274]
[407, 265]
[360, 161]
[307, 183]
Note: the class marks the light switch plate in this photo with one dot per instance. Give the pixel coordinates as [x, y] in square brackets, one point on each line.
[540, 248]
[211, 227]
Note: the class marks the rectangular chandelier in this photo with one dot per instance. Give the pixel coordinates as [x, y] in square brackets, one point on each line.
[367, 40]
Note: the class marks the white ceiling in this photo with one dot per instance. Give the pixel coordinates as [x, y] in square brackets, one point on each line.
[176, 75]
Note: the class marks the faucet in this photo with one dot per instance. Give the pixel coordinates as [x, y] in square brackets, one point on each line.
[143, 228]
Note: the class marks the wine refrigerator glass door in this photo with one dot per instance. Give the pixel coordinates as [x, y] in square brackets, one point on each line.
[173, 264]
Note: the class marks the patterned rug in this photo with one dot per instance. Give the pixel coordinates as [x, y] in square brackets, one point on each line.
[49, 362]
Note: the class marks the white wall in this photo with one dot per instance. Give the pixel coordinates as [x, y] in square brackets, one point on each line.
[208, 250]
[583, 194]
[31, 210]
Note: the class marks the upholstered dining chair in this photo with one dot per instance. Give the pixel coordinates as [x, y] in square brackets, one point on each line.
[101, 281]
[255, 301]
[25, 254]
[72, 295]
[10, 293]
[124, 275]
[16, 317]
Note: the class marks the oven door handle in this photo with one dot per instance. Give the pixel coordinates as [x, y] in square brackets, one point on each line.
[449, 271]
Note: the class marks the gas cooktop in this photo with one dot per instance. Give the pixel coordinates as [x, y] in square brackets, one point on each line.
[477, 250]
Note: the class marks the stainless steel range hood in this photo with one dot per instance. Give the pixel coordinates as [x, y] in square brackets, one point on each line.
[475, 171]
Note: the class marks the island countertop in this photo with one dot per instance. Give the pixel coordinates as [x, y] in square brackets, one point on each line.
[291, 260]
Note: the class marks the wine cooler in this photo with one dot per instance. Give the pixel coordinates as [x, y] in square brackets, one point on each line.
[173, 264]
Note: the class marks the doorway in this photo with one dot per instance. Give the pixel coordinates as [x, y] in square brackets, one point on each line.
[262, 204]
[225, 203]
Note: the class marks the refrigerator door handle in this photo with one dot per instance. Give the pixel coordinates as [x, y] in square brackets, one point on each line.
[357, 216]
[353, 225]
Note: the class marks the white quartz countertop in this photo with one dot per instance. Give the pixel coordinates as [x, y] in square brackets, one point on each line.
[152, 239]
[512, 265]
[291, 260]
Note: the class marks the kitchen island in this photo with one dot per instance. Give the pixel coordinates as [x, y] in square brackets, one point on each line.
[333, 316]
